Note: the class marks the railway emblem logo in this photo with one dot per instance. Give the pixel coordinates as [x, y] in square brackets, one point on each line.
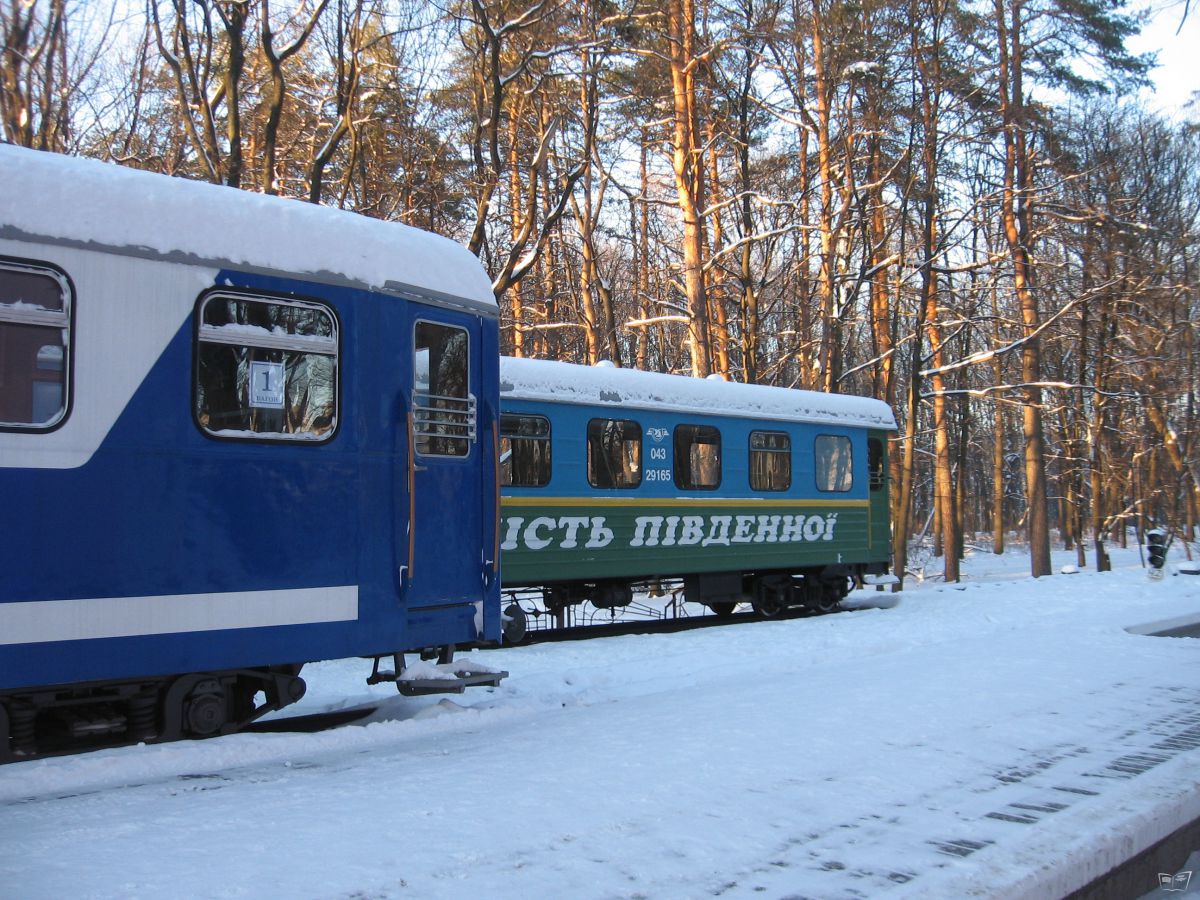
[1177, 882]
[658, 434]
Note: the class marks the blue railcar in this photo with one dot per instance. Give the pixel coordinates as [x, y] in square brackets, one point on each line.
[613, 478]
[237, 434]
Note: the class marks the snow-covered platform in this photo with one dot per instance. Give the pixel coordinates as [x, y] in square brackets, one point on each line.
[1003, 738]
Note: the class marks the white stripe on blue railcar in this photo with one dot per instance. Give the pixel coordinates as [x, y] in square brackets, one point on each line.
[33, 622]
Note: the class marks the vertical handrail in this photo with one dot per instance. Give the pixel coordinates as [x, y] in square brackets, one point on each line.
[412, 497]
[495, 421]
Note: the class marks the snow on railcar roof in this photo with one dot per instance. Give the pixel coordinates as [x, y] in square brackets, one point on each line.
[557, 382]
[93, 204]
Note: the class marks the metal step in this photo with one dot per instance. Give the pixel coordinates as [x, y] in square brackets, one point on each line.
[416, 687]
[451, 677]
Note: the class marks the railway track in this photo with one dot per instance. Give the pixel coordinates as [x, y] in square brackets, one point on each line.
[310, 723]
[671, 617]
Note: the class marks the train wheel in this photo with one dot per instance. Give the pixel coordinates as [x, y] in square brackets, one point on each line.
[194, 706]
[823, 603]
[772, 596]
[205, 710]
[825, 596]
[516, 624]
[723, 610]
[769, 607]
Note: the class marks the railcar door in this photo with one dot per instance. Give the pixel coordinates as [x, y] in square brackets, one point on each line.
[445, 578]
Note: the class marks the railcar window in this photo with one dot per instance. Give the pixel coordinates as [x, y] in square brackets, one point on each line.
[443, 407]
[770, 461]
[614, 453]
[266, 369]
[875, 462]
[35, 343]
[524, 451]
[697, 457]
[833, 459]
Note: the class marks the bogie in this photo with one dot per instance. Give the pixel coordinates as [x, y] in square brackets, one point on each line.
[198, 705]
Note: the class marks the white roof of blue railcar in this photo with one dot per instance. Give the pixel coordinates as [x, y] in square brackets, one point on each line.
[556, 382]
[79, 202]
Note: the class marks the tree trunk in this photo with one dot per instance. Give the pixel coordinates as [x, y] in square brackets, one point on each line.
[826, 288]
[943, 475]
[1017, 202]
[998, 442]
[689, 179]
[516, 191]
[643, 246]
[234, 17]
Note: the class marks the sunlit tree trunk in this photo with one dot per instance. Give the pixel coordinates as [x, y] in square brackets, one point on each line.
[928, 65]
[689, 178]
[643, 249]
[998, 434]
[830, 325]
[719, 324]
[516, 295]
[1017, 203]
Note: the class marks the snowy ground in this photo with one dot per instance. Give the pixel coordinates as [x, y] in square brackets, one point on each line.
[1002, 738]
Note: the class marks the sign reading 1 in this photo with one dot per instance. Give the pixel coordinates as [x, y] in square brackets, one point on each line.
[266, 385]
[658, 454]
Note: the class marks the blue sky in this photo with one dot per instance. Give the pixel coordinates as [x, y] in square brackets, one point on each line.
[1178, 74]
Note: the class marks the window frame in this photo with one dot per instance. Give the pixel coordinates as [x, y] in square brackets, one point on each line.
[675, 456]
[816, 462]
[549, 471]
[641, 460]
[787, 452]
[470, 402]
[279, 342]
[42, 319]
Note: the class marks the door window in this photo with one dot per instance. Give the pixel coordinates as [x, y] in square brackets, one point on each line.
[443, 407]
[875, 463]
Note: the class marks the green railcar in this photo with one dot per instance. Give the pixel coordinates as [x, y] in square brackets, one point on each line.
[614, 478]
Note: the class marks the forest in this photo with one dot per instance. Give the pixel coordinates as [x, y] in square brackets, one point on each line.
[956, 206]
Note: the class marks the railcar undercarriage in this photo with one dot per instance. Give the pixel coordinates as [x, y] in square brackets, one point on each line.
[561, 607]
[48, 721]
